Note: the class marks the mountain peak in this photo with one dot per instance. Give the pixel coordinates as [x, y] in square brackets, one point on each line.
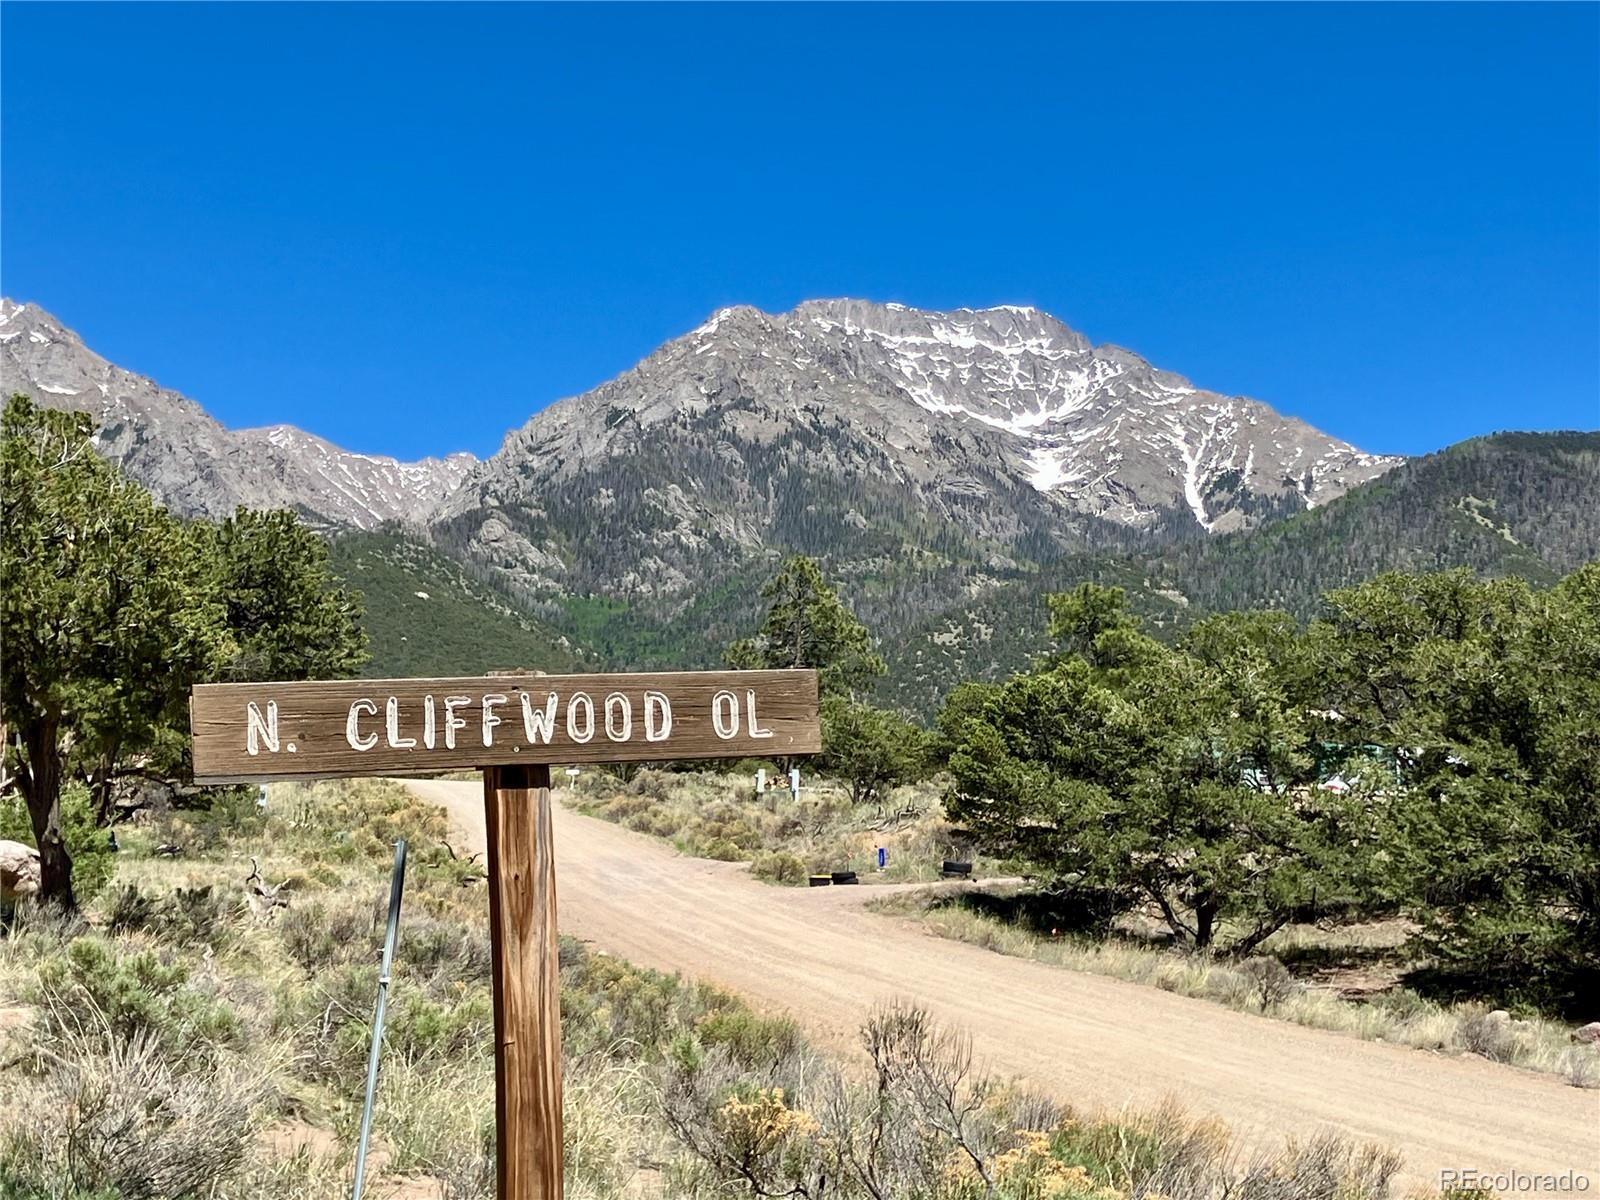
[25, 319]
[1001, 328]
[190, 461]
[971, 410]
[851, 427]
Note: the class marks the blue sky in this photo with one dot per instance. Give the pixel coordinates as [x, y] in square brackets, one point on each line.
[407, 228]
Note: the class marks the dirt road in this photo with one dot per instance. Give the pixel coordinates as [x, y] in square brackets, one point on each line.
[1091, 1041]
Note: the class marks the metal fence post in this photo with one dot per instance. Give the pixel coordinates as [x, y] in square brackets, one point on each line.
[397, 885]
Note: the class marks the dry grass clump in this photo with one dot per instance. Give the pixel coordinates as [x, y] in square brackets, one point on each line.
[124, 1117]
[34, 935]
[437, 1119]
[1264, 985]
[720, 816]
[928, 1123]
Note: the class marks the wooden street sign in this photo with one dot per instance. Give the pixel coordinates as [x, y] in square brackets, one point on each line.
[513, 727]
[352, 727]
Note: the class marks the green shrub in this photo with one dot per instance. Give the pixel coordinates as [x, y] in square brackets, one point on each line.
[136, 995]
[343, 822]
[129, 910]
[657, 823]
[186, 916]
[1166, 1152]
[422, 1030]
[780, 867]
[315, 1019]
[318, 935]
[624, 807]
[451, 949]
[331, 1023]
[755, 1042]
[724, 850]
[214, 817]
[604, 999]
[1403, 1003]
[325, 875]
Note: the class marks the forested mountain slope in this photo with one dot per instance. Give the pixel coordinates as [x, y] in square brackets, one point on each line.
[1525, 504]
[425, 616]
[1507, 504]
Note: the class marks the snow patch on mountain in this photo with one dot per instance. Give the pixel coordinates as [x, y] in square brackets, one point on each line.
[1098, 424]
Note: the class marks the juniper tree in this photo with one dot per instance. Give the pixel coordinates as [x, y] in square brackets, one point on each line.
[111, 608]
[808, 625]
[108, 609]
[1178, 776]
[1489, 693]
[289, 617]
[872, 749]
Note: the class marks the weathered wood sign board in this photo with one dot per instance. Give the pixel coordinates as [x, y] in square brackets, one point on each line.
[257, 731]
[512, 727]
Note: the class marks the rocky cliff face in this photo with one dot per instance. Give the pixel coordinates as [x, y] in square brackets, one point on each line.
[866, 431]
[916, 449]
[1097, 426]
[194, 465]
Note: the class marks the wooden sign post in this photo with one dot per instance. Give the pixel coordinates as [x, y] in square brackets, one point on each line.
[512, 727]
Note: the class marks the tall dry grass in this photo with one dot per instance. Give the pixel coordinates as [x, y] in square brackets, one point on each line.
[928, 1122]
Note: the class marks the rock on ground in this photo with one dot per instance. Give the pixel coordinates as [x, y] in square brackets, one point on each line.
[19, 871]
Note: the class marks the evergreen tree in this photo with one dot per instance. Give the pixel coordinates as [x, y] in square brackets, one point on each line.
[1182, 777]
[1488, 692]
[288, 616]
[108, 608]
[871, 749]
[807, 625]
[111, 609]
